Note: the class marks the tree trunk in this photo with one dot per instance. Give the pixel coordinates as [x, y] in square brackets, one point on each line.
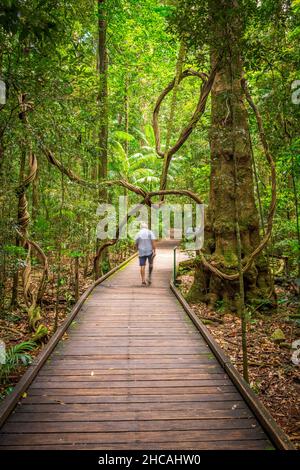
[35, 198]
[102, 64]
[103, 95]
[76, 280]
[229, 142]
[126, 113]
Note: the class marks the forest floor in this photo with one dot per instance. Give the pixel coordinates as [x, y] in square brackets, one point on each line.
[273, 376]
[14, 325]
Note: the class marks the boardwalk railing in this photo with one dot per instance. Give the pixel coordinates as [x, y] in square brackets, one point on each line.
[12, 399]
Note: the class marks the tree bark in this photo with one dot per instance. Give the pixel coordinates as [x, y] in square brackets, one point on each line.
[126, 113]
[35, 198]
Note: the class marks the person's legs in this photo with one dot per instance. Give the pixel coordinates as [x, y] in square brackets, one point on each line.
[143, 266]
[143, 274]
[150, 259]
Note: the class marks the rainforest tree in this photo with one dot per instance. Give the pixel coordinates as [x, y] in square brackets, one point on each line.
[232, 195]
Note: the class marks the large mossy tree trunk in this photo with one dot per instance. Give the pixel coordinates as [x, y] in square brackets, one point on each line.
[230, 145]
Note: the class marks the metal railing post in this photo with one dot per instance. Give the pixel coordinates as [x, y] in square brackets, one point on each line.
[174, 265]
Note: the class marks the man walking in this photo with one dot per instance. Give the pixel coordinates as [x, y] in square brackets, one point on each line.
[145, 243]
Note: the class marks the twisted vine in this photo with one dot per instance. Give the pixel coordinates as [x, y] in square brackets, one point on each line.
[200, 108]
[31, 297]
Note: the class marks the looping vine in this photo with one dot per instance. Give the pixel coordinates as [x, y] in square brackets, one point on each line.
[31, 296]
[90, 184]
[186, 131]
[22, 232]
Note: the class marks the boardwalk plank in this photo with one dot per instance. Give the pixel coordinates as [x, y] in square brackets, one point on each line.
[108, 416]
[131, 437]
[149, 398]
[131, 384]
[195, 406]
[211, 445]
[91, 425]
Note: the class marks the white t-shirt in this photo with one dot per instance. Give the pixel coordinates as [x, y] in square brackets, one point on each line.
[144, 242]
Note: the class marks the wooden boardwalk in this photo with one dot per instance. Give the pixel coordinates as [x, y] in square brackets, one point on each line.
[133, 373]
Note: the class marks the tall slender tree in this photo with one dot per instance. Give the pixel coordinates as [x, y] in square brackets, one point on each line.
[102, 66]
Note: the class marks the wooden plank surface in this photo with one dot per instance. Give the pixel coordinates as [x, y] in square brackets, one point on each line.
[133, 373]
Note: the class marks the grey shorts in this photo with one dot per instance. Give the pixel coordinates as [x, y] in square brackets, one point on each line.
[143, 259]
